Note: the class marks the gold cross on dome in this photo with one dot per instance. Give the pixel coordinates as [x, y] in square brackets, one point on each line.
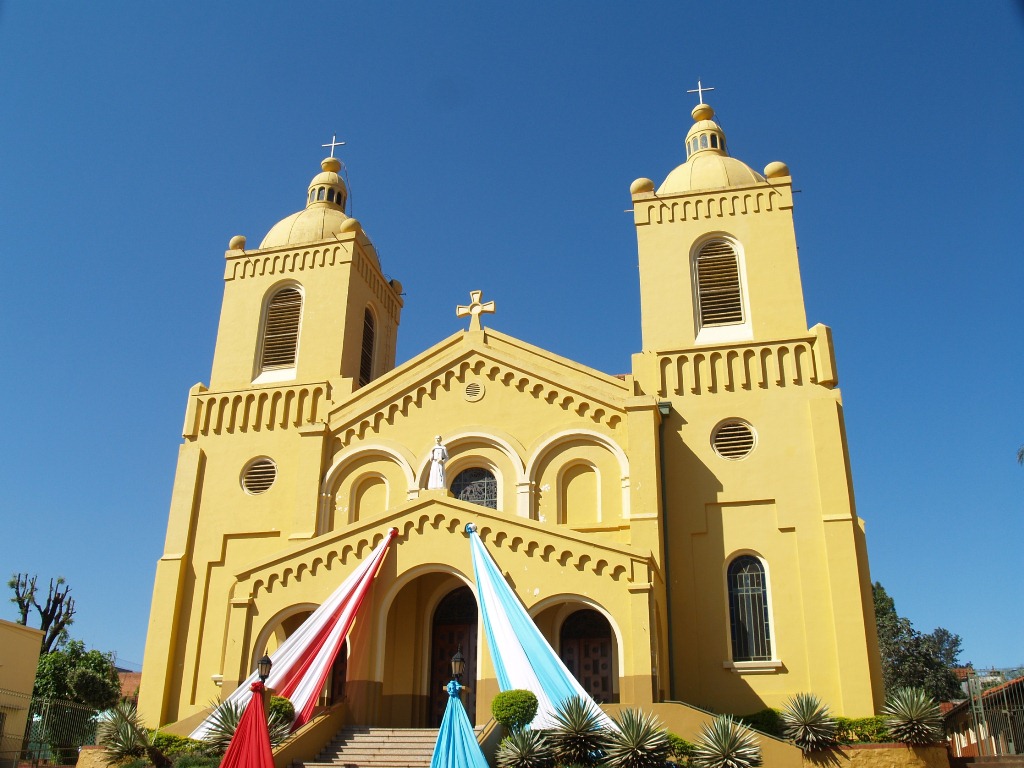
[334, 143]
[699, 90]
[474, 309]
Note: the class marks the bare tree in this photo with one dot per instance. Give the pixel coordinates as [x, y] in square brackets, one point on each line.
[54, 617]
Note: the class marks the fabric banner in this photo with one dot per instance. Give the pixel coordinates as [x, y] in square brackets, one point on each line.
[456, 745]
[522, 657]
[250, 746]
[302, 662]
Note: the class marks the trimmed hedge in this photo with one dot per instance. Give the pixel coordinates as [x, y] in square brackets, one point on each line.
[767, 721]
[514, 709]
[862, 730]
[680, 750]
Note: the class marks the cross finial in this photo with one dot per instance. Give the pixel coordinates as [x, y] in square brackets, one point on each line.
[334, 143]
[699, 90]
[474, 309]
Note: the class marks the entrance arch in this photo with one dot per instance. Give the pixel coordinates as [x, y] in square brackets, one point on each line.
[280, 630]
[427, 615]
[453, 628]
[586, 642]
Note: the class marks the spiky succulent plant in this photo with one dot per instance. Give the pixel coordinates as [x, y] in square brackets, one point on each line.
[224, 722]
[808, 723]
[640, 741]
[912, 716]
[123, 737]
[724, 743]
[524, 749]
[577, 737]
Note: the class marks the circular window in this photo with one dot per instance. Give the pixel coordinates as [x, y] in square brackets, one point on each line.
[259, 475]
[474, 391]
[733, 439]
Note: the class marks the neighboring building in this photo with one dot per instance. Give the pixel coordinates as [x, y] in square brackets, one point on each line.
[990, 723]
[19, 657]
[684, 533]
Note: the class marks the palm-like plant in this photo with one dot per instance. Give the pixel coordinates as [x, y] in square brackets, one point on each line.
[808, 723]
[724, 743]
[577, 737]
[224, 722]
[524, 749]
[639, 742]
[912, 716]
[123, 737]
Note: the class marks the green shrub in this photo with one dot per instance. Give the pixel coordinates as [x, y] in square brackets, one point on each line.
[175, 746]
[639, 742]
[767, 721]
[196, 761]
[862, 730]
[725, 743]
[808, 723]
[577, 737]
[524, 749]
[514, 709]
[912, 716]
[680, 750]
[282, 709]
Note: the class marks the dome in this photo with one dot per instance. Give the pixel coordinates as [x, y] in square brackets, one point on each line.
[323, 215]
[708, 165]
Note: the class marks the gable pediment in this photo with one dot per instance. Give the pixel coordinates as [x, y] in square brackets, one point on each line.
[495, 360]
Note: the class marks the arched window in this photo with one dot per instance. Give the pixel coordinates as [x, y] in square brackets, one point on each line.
[281, 330]
[714, 141]
[704, 141]
[477, 486]
[748, 610]
[719, 296]
[366, 351]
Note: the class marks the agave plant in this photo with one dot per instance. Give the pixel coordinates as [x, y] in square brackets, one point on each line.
[808, 723]
[524, 749]
[123, 737]
[724, 743]
[640, 741]
[577, 737]
[224, 722]
[912, 716]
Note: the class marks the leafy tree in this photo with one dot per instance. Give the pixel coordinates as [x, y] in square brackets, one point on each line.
[54, 617]
[911, 659]
[85, 677]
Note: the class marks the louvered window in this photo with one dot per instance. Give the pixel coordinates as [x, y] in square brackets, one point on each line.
[748, 610]
[281, 331]
[366, 352]
[733, 440]
[718, 285]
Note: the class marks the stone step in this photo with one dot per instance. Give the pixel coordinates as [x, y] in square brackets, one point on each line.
[364, 747]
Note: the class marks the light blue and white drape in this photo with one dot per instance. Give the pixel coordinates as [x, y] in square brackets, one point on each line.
[456, 745]
[522, 657]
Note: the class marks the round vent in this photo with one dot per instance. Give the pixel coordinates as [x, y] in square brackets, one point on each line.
[733, 439]
[259, 475]
[474, 391]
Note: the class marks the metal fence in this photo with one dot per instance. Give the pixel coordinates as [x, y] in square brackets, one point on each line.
[48, 731]
[990, 723]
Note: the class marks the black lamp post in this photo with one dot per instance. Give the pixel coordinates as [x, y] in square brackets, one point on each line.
[263, 667]
[458, 664]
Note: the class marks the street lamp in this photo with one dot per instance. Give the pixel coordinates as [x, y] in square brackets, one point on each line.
[458, 664]
[263, 668]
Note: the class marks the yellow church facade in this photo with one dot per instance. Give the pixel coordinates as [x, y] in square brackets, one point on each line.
[686, 532]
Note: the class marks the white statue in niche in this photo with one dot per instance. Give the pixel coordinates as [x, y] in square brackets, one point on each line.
[438, 456]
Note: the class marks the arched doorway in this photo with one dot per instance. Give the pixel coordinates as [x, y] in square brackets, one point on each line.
[454, 625]
[334, 687]
[587, 651]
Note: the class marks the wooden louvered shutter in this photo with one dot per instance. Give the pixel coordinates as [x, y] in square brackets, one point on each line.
[281, 332]
[718, 285]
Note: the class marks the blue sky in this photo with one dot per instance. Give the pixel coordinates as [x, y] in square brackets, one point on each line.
[492, 146]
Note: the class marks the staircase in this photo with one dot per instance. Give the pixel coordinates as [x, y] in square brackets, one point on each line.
[364, 747]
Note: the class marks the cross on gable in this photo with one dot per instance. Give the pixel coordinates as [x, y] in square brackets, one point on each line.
[334, 143]
[474, 309]
[699, 90]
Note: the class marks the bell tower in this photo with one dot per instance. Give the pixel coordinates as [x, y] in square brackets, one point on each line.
[311, 303]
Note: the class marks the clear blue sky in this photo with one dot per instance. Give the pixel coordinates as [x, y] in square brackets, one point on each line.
[492, 146]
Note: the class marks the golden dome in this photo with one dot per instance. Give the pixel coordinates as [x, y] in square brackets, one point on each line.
[708, 165]
[323, 215]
